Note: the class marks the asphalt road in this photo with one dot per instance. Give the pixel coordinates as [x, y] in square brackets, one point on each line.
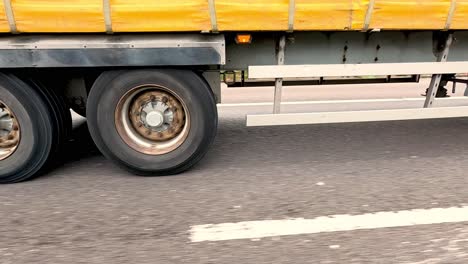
[89, 211]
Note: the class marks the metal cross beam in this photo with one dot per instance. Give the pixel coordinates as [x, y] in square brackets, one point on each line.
[279, 81]
[435, 81]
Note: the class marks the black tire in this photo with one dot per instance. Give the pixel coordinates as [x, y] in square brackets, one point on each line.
[61, 117]
[105, 95]
[36, 126]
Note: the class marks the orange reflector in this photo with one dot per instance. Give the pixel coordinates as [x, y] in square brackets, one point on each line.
[243, 38]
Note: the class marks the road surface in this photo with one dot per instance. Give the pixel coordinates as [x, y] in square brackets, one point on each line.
[334, 193]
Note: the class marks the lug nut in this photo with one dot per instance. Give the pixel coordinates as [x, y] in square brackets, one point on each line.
[10, 137]
[164, 99]
[15, 127]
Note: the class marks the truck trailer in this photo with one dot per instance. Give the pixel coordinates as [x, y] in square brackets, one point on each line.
[147, 74]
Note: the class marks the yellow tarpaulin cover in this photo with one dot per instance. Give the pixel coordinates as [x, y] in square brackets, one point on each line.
[230, 15]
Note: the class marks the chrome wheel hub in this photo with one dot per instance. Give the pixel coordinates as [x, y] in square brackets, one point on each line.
[157, 115]
[152, 120]
[9, 132]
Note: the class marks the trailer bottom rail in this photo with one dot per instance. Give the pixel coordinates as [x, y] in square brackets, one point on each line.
[356, 116]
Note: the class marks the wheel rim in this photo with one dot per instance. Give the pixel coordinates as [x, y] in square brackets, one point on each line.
[10, 135]
[152, 120]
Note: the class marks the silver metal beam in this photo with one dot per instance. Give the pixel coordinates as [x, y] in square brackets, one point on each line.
[435, 80]
[111, 50]
[279, 81]
[432, 90]
[356, 116]
[337, 70]
[123, 41]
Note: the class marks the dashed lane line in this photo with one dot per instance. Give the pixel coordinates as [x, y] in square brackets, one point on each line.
[326, 224]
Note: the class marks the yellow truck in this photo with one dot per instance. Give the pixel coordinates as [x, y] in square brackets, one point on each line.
[147, 73]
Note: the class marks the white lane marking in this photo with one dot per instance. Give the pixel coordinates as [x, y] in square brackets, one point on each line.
[338, 101]
[324, 224]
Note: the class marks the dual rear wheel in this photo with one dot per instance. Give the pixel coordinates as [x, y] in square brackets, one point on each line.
[150, 122]
[34, 125]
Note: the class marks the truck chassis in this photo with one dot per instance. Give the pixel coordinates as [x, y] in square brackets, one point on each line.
[150, 99]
